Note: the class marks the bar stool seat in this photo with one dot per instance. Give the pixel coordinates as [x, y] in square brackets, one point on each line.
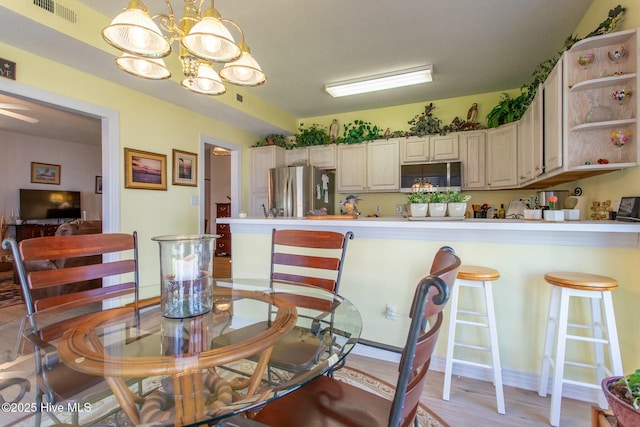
[567, 284]
[474, 276]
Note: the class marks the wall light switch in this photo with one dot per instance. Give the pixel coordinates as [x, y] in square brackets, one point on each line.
[194, 200]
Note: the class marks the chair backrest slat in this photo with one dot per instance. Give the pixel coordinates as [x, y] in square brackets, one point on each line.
[68, 281]
[429, 300]
[308, 257]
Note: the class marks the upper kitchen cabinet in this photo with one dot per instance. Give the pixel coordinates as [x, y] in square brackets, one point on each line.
[297, 156]
[472, 155]
[351, 173]
[323, 156]
[383, 165]
[502, 157]
[429, 148]
[552, 95]
[602, 102]
[530, 129]
[263, 159]
[368, 167]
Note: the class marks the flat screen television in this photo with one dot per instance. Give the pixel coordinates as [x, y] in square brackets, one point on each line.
[49, 204]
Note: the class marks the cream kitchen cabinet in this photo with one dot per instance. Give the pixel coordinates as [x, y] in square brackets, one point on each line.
[297, 156]
[472, 155]
[323, 156]
[351, 171]
[429, 148]
[552, 98]
[383, 165]
[530, 144]
[368, 167]
[502, 157]
[261, 160]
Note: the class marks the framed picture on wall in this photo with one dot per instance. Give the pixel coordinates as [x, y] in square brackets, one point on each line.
[44, 173]
[144, 170]
[185, 168]
[98, 185]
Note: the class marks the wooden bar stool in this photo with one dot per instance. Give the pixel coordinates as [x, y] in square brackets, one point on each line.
[473, 276]
[598, 289]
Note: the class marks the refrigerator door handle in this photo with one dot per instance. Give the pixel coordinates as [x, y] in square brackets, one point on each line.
[288, 195]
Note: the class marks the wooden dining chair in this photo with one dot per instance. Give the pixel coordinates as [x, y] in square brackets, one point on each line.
[57, 383]
[328, 402]
[305, 258]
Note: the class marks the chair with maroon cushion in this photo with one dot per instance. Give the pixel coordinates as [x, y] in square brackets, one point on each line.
[328, 402]
[57, 383]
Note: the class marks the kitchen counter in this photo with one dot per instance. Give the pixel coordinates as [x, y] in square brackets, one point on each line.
[574, 233]
[389, 255]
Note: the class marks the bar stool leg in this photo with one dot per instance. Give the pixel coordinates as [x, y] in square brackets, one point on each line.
[598, 329]
[558, 372]
[448, 369]
[495, 351]
[612, 334]
[552, 327]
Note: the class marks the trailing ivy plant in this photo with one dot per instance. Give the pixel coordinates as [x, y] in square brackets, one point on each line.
[313, 135]
[359, 131]
[508, 109]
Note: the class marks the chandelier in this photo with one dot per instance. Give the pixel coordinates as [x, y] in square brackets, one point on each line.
[204, 41]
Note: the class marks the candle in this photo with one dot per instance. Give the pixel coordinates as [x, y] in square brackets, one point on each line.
[187, 268]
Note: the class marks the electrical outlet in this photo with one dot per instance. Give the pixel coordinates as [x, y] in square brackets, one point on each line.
[391, 312]
[398, 209]
[378, 209]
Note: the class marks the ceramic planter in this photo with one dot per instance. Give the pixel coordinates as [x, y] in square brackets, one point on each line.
[626, 415]
[419, 209]
[550, 215]
[533, 214]
[437, 209]
[457, 208]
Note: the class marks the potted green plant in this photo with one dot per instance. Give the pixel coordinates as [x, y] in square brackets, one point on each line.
[623, 395]
[358, 132]
[437, 203]
[457, 203]
[313, 135]
[418, 203]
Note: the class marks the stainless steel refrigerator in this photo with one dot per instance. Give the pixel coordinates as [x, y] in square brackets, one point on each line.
[295, 191]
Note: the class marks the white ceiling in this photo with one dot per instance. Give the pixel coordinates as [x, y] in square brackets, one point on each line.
[475, 46]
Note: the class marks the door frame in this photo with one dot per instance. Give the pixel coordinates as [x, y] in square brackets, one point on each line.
[110, 143]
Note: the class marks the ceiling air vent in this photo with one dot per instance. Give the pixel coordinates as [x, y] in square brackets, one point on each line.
[60, 10]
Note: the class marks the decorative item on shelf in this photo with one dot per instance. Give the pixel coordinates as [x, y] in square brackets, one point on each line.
[586, 60]
[620, 137]
[621, 95]
[349, 205]
[617, 55]
[600, 210]
[186, 266]
[597, 112]
[552, 202]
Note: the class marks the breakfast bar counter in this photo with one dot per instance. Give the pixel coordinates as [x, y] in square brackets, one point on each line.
[389, 255]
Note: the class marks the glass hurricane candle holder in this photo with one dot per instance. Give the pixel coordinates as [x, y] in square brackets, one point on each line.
[186, 266]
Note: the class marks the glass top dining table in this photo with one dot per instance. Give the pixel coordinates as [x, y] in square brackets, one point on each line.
[191, 371]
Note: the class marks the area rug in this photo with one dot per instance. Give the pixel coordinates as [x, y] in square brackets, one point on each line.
[10, 293]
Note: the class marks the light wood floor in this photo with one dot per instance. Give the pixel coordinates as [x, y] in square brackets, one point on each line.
[472, 402]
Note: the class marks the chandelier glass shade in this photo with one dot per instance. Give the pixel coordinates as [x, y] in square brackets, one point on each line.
[204, 40]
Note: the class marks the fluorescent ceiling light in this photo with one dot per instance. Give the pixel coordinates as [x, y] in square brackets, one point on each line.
[411, 76]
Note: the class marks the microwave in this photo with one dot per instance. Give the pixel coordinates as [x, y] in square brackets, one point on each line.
[443, 175]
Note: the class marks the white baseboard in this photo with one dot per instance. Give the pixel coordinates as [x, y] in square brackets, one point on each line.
[512, 378]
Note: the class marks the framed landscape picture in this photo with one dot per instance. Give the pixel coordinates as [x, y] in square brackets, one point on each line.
[185, 168]
[44, 173]
[144, 170]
